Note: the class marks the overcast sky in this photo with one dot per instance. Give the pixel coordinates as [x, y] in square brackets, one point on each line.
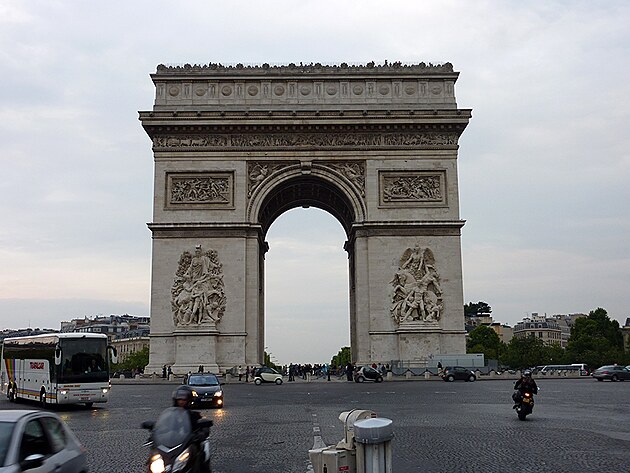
[543, 166]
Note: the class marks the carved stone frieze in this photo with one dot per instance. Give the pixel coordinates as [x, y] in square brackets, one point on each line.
[305, 140]
[416, 296]
[209, 189]
[353, 171]
[409, 187]
[259, 171]
[197, 294]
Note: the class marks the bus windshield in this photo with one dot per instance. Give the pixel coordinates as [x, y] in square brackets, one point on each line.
[83, 360]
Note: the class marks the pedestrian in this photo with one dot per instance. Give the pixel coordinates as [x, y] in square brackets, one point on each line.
[240, 373]
[169, 372]
[164, 372]
[349, 369]
[439, 367]
[247, 374]
[328, 371]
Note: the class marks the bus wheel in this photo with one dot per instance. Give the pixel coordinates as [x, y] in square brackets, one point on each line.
[89, 404]
[11, 393]
[42, 399]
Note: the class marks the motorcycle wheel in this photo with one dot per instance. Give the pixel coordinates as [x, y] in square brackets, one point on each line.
[522, 415]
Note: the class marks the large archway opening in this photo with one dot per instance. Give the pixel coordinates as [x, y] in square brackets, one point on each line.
[307, 316]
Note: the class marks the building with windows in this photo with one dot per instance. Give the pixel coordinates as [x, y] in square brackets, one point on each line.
[539, 326]
[114, 326]
[128, 345]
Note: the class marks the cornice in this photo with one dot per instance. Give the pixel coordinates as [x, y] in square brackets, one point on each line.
[312, 69]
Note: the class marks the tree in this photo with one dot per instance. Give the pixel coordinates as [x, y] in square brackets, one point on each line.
[484, 339]
[525, 352]
[267, 361]
[342, 358]
[138, 359]
[476, 309]
[596, 340]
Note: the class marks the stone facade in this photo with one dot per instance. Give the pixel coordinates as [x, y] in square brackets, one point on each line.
[235, 147]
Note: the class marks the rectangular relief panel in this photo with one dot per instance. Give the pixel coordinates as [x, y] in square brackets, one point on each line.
[412, 188]
[199, 190]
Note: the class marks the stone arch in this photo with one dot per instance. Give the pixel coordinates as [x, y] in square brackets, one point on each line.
[235, 147]
[319, 187]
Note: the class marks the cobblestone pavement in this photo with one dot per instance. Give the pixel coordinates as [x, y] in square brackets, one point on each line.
[577, 425]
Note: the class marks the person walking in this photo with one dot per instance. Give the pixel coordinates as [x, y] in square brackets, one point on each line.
[247, 374]
[240, 373]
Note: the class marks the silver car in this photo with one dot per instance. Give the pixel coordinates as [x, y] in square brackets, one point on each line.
[38, 441]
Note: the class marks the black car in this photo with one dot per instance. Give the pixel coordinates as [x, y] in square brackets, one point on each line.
[451, 373]
[366, 373]
[206, 390]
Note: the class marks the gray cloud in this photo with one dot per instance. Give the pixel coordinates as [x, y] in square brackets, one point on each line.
[543, 165]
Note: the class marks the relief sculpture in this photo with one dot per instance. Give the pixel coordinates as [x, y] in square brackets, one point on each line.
[206, 190]
[416, 295]
[258, 172]
[353, 171]
[414, 188]
[197, 295]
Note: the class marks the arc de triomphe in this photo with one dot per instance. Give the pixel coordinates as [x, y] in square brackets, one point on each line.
[235, 147]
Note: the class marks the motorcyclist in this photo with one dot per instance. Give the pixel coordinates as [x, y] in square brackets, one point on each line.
[183, 397]
[524, 384]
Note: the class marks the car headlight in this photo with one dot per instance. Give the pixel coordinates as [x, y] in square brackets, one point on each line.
[181, 460]
[63, 393]
[218, 394]
[194, 393]
[157, 464]
[105, 390]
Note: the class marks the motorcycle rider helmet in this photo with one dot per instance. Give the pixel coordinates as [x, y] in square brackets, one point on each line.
[183, 393]
[527, 373]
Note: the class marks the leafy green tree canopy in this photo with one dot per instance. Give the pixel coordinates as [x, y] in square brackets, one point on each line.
[596, 340]
[342, 358]
[484, 339]
[476, 309]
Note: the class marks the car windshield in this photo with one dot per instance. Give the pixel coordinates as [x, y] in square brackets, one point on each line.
[172, 427]
[6, 428]
[206, 380]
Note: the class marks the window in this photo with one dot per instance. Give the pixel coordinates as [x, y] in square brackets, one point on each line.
[56, 433]
[34, 441]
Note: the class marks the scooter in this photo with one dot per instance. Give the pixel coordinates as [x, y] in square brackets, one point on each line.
[524, 403]
[174, 446]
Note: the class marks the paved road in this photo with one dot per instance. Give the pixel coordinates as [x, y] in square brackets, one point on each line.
[578, 425]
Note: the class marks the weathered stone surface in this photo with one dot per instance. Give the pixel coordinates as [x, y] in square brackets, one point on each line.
[235, 147]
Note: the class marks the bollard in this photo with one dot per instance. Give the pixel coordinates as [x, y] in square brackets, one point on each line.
[228, 378]
[408, 374]
[389, 375]
[374, 447]
[427, 375]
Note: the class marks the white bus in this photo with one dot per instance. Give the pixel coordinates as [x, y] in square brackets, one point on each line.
[57, 368]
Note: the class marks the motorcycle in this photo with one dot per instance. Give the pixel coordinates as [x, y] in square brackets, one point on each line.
[175, 447]
[524, 403]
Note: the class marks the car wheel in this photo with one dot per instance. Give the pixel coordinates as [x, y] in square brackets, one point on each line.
[614, 378]
[257, 381]
[360, 379]
[278, 381]
[451, 378]
[89, 404]
[471, 378]
[599, 379]
[379, 379]
[42, 399]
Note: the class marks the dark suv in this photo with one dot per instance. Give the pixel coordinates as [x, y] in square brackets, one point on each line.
[451, 373]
